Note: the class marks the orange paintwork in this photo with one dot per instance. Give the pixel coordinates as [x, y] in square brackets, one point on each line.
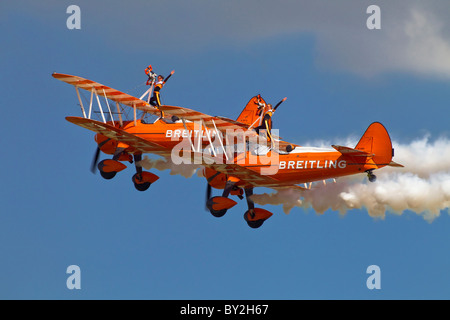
[259, 214]
[376, 141]
[222, 203]
[145, 177]
[106, 144]
[215, 179]
[237, 192]
[110, 165]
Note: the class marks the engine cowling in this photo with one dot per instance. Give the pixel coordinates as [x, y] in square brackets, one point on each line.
[109, 146]
[218, 180]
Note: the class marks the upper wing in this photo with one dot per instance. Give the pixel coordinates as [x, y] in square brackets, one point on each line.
[221, 123]
[105, 91]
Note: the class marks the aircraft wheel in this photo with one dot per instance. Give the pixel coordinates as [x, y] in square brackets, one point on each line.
[219, 213]
[255, 224]
[140, 186]
[108, 175]
[371, 176]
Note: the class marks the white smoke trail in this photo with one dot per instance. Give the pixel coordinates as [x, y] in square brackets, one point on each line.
[422, 186]
[186, 170]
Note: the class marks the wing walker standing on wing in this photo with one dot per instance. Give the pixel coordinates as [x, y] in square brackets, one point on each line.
[156, 82]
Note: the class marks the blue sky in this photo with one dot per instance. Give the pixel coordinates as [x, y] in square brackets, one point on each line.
[338, 77]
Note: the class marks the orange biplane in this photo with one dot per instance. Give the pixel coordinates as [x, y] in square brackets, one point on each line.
[255, 157]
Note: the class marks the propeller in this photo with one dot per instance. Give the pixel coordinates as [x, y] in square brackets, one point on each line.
[208, 194]
[95, 160]
[97, 154]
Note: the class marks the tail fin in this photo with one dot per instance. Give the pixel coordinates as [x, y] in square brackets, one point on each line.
[251, 113]
[376, 141]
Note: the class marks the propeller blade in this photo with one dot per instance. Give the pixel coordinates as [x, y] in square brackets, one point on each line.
[208, 195]
[95, 160]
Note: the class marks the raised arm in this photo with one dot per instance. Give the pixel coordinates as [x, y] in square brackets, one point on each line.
[171, 73]
[278, 104]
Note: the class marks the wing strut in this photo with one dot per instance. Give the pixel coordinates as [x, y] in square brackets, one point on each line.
[185, 128]
[209, 138]
[81, 102]
[90, 102]
[120, 114]
[100, 107]
[109, 109]
[220, 139]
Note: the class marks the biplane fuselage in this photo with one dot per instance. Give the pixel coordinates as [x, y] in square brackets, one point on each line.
[235, 156]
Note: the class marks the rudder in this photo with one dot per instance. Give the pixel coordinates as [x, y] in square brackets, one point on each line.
[251, 113]
[376, 141]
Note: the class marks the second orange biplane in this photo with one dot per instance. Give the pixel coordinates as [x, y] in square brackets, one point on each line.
[254, 158]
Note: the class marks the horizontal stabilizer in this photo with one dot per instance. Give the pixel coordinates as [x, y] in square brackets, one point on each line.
[395, 164]
[292, 187]
[351, 152]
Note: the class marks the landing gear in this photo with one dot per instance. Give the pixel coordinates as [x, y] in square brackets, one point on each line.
[252, 224]
[215, 213]
[218, 206]
[371, 176]
[139, 184]
[108, 168]
[142, 180]
[254, 217]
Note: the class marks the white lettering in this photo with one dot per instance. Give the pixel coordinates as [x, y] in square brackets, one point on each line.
[342, 164]
[291, 164]
[73, 21]
[374, 21]
[74, 280]
[374, 281]
[197, 310]
[313, 164]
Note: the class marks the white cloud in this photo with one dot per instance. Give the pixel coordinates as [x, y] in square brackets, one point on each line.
[414, 35]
